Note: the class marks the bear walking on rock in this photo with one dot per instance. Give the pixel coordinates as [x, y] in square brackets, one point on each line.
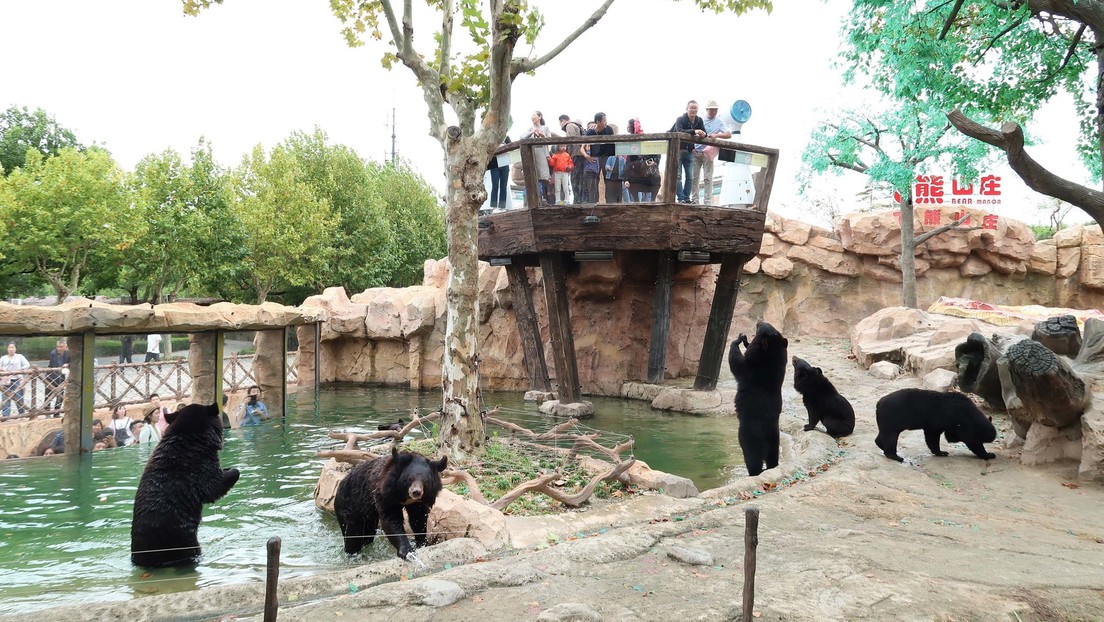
[759, 372]
[377, 491]
[822, 400]
[951, 414]
[182, 474]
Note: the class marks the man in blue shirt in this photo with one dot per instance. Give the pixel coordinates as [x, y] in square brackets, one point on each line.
[255, 411]
[690, 124]
[703, 158]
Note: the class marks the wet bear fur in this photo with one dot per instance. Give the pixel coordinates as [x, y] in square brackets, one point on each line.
[759, 372]
[182, 474]
[376, 492]
[951, 414]
[822, 401]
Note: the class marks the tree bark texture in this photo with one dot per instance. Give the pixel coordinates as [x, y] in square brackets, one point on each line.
[1059, 334]
[908, 253]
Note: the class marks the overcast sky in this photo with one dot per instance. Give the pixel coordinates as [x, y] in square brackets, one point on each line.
[137, 76]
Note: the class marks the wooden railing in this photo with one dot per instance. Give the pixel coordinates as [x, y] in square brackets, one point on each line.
[128, 383]
[666, 145]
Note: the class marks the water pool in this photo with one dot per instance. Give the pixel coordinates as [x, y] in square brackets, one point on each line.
[65, 520]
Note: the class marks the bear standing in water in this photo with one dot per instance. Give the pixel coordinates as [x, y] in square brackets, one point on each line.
[759, 372]
[822, 401]
[182, 474]
[951, 414]
[378, 490]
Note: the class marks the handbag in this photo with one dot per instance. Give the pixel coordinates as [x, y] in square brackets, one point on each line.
[644, 170]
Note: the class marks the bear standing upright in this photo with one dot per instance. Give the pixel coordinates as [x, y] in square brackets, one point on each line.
[378, 490]
[182, 474]
[951, 414]
[822, 401]
[759, 373]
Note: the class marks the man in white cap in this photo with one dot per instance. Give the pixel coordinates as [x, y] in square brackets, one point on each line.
[703, 158]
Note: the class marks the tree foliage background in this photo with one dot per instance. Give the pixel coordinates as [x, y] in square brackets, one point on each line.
[284, 224]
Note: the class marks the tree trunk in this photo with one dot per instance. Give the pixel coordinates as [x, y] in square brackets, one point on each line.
[976, 360]
[1059, 334]
[908, 253]
[462, 417]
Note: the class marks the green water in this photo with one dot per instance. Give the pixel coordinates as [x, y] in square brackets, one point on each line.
[65, 521]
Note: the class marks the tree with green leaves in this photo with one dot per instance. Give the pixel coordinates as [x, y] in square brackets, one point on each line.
[287, 227]
[415, 218]
[61, 212]
[21, 130]
[471, 71]
[992, 61]
[891, 146]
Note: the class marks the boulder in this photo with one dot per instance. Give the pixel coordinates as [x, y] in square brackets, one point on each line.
[792, 231]
[539, 396]
[1091, 236]
[692, 557]
[752, 266]
[771, 245]
[640, 391]
[1002, 263]
[879, 271]
[596, 281]
[829, 261]
[435, 272]
[946, 259]
[974, 267]
[577, 410]
[870, 233]
[325, 491]
[641, 475]
[885, 370]
[777, 267]
[690, 401]
[1092, 447]
[1044, 258]
[885, 334]
[919, 264]
[454, 516]
[1045, 444]
[1092, 266]
[1069, 261]
[1068, 237]
[826, 242]
[940, 380]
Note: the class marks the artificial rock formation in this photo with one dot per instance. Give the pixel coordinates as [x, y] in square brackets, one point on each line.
[805, 280]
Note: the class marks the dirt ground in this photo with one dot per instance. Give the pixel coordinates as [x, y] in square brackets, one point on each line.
[952, 539]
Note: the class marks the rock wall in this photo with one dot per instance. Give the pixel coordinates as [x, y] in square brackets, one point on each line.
[805, 280]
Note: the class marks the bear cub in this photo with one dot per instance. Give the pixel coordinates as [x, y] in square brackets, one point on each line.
[182, 474]
[823, 403]
[377, 491]
[951, 414]
[759, 372]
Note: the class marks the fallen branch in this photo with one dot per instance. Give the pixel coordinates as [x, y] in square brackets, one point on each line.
[585, 442]
[455, 476]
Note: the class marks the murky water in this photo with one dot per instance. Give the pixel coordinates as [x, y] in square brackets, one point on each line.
[65, 521]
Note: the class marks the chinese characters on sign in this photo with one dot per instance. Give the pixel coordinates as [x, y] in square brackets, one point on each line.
[930, 190]
[934, 218]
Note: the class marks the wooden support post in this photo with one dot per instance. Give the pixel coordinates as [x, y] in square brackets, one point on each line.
[751, 543]
[529, 168]
[661, 318]
[80, 393]
[531, 347]
[559, 327]
[317, 357]
[670, 172]
[272, 579]
[220, 351]
[283, 371]
[720, 319]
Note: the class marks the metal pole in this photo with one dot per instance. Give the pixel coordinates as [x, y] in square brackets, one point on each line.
[751, 543]
[271, 606]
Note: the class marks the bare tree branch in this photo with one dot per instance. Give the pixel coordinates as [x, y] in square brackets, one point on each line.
[1010, 139]
[858, 168]
[996, 38]
[950, 19]
[522, 65]
[445, 66]
[920, 239]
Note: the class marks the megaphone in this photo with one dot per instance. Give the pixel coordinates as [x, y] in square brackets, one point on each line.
[737, 115]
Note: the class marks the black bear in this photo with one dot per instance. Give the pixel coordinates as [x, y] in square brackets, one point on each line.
[759, 373]
[377, 491]
[951, 414]
[392, 427]
[822, 401]
[182, 474]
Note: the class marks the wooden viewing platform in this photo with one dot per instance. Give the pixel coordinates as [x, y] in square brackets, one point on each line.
[669, 233]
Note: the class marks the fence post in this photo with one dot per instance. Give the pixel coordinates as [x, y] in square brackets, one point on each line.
[272, 578]
[751, 543]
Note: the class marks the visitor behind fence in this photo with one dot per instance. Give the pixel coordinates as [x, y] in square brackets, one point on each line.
[100, 436]
[254, 410]
[161, 422]
[562, 167]
[704, 156]
[153, 347]
[12, 386]
[55, 379]
[540, 157]
[150, 434]
[120, 425]
[578, 160]
[692, 125]
[136, 428]
[126, 353]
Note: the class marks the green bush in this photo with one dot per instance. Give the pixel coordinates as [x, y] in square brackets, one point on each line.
[1043, 232]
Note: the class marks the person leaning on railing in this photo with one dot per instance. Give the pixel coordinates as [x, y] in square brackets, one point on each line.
[601, 152]
[12, 385]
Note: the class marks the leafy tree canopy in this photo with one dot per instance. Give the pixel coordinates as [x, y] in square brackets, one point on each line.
[21, 130]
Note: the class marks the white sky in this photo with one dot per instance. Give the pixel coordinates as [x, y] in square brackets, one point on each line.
[137, 76]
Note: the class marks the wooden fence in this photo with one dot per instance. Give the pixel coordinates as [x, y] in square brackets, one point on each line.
[126, 383]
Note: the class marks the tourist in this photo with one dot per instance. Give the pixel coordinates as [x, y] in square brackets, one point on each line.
[705, 155]
[153, 348]
[562, 167]
[126, 353]
[254, 410]
[12, 385]
[100, 436]
[151, 435]
[55, 379]
[578, 160]
[120, 425]
[136, 428]
[163, 411]
[540, 157]
[641, 174]
[602, 153]
[691, 124]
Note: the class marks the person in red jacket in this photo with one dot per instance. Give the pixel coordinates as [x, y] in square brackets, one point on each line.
[562, 165]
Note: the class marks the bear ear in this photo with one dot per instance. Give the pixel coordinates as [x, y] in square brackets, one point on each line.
[818, 371]
[441, 464]
[394, 451]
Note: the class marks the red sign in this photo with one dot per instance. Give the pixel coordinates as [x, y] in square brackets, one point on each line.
[931, 190]
[934, 218]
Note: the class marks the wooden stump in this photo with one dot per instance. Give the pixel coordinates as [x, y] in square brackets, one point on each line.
[1048, 390]
[1059, 334]
[1090, 359]
[976, 360]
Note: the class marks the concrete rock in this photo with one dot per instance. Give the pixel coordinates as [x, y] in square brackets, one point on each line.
[640, 391]
[885, 370]
[792, 231]
[454, 516]
[690, 401]
[569, 612]
[539, 396]
[1068, 237]
[940, 380]
[974, 266]
[578, 410]
[325, 491]
[640, 474]
[829, 261]
[1044, 258]
[436, 593]
[777, 267]
[1046, 444]
[753, 265]
[690, 556]
[870, 233]
[771, 246]
[1069, 261]
[1092, 266]
[1092, 447]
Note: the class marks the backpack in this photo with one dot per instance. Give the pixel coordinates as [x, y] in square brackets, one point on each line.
[121, 435]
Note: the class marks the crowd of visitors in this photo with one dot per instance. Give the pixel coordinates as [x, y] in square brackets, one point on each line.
[569, 174]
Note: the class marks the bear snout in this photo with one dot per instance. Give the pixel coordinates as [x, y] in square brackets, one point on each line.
[415, 492]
